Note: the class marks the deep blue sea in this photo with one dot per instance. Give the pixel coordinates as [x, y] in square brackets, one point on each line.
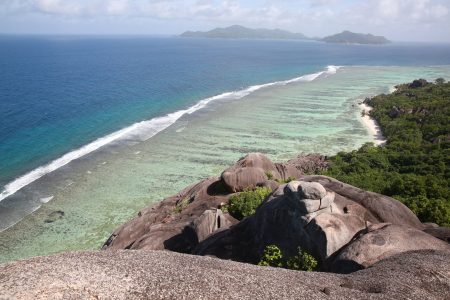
[58, 93]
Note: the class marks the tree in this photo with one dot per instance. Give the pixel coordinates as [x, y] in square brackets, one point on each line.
[440, 81]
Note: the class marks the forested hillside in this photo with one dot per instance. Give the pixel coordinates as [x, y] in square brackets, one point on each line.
[413, 166]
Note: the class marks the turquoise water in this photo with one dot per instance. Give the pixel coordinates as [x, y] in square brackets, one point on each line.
[99, 127]
[107, 187]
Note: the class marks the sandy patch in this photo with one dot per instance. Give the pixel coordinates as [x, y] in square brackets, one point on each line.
[372, 126]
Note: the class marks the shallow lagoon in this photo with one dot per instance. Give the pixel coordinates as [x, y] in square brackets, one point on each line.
[105, 188]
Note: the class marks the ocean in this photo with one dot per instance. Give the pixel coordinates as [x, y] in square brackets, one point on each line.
[95, 128]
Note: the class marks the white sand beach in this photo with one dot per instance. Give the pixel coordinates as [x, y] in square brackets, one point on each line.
[372, 125]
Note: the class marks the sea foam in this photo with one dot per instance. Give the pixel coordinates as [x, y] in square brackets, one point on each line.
[145, 130]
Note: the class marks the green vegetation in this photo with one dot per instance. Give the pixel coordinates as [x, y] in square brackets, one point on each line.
[241, 32]
[413, 166]
[245, 203]
[287, 180]
[269, 175]
[181, 204]
[272, 256]
[347, 37]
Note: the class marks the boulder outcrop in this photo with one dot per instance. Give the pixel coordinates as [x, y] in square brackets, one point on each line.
[298, 214]
[383, 208]
[340, 225]
[173, 223]
[177, 223]
[380, 241]
[167, 275]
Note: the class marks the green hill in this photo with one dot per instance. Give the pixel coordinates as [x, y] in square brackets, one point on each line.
[240, 32]
[347, 37]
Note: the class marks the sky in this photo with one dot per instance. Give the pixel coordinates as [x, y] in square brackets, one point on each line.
[398, 20]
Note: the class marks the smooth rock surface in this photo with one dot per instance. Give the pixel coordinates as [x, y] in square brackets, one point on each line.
[287, 220]
[385, 209]
[174, 223]
[380, 242]
[442, 233]
[167, 275]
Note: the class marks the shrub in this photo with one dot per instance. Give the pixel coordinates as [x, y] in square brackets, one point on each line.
[269, 175]
[302, 261]
[273, 257]
[287, 180]
[245, 203]
[181, 204]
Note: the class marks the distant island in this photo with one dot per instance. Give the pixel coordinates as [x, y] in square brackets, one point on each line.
[241, 32]
[347, 37]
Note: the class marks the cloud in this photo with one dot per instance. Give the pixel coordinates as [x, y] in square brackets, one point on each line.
[375, 11]
[313, 17]
[380, 12]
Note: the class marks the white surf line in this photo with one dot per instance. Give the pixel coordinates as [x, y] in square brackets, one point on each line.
[152, 126]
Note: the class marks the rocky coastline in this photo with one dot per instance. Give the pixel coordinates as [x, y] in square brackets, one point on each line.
[185, 245]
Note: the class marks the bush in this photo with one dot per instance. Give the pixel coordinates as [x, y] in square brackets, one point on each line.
[181, 204]
[273, 257]
[269, 175]
[302, 261]
[245, 203]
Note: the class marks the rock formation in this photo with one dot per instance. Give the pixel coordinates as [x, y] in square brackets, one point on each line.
[168, 275]
[340, 225]
[171, 223]
[345, 228]
[381, 241]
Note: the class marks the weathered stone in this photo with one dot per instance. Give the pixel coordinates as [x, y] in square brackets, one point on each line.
[316, 213]
[442, 233]
[289, 222]
[311, 190]
[168, 224]
[383, 208]
[331, 231]
[166, 275]
[309, 206]
[237, 180]
[380, 242]
[209, 222]
[327, 200]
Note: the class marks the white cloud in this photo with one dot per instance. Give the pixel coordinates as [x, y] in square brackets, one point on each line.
[373, 10]
[399, 11]
[313, 17]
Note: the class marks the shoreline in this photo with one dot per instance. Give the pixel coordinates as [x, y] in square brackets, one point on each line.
[279, 121]
[371, 125]
[144, 130]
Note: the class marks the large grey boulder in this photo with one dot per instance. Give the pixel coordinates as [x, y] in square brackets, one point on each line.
[442, 233]
[255, 168]
[248, 172]
[177, 223]
[385, 209]
[316, 213]
[133, 275]
[210, 222]
[236, 180]
[297, 214]
[381, 241]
